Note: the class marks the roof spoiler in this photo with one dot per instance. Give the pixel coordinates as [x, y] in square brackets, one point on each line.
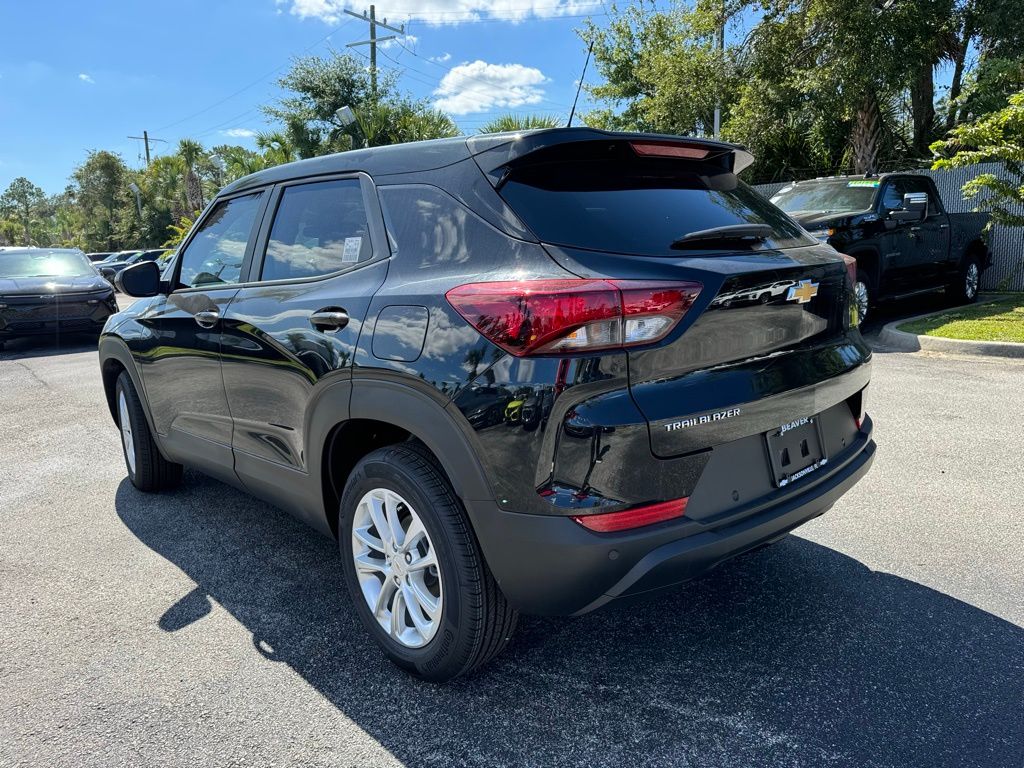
[494, 152]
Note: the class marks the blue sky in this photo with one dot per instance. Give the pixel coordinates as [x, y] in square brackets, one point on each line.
[84, 75]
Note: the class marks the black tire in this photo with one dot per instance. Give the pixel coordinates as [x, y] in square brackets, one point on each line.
[476, 621]
[964, 290]
[152, 472]
[866, 299]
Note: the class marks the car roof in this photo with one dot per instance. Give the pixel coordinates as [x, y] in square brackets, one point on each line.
[418, 156]
[856, 177]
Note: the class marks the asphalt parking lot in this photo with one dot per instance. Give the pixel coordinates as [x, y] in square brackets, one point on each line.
[204, 628]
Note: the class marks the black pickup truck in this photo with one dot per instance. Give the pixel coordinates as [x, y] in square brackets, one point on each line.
[897, 229]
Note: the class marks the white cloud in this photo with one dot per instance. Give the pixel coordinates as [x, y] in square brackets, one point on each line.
[442, 58]
[239, 133]
[86, 79]
[449, 11]
[478, 87]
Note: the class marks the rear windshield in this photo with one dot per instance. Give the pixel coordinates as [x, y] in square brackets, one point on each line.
[639, 205]
[827, 197]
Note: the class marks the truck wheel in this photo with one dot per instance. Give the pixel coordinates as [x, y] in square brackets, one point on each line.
[147, 468]
[414, 568]
[862, 295]
[965, 289]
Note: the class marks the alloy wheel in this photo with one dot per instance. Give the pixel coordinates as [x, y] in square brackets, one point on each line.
[863, 299]
[971, 280]
[397, 568]
[126, 431]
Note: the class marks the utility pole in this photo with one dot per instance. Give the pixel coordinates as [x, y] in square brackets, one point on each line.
[371, 19]
[721, 65]
[145, 138]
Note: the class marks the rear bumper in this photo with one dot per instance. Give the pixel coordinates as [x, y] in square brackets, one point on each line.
[553, 566]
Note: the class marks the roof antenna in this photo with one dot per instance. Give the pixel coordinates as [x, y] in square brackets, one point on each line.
[580, 85]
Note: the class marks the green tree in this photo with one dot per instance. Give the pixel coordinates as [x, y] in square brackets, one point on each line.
[513, 122]
[995, 138]
[277, 148]
[192, 153]
[100, 188]
[22, 202]
[317, 87]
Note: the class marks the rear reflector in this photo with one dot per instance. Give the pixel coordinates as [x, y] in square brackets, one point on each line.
[669, 149]
[550, 317]
[610, 522]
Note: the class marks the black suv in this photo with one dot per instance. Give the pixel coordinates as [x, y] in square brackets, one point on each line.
[494, 369]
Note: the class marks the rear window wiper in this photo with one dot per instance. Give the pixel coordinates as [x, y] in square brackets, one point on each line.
[731, 233]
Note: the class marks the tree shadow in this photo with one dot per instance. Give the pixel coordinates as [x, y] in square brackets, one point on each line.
[796, 655]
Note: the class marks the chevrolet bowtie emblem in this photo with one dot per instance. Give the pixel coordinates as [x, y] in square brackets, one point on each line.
[802, 292]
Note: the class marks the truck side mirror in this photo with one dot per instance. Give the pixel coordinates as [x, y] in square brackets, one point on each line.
[915, 207]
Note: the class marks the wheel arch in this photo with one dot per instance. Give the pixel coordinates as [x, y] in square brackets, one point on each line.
[868, 261]
[382, 412]
[115, 357]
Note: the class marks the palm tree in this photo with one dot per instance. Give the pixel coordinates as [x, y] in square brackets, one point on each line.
[277, 148]
[191, 152]
[513, 122]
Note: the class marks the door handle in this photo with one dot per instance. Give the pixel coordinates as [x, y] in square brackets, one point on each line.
[943, 226]
[915, 229]
[329, 319]
[207, 318]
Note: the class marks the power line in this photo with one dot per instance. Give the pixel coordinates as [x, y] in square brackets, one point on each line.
[250, 85]
[146, 138]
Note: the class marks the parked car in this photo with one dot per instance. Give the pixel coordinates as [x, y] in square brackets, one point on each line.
[341, 336]
[897, 228]
[48, 291]
[99, 256]
[109, 269]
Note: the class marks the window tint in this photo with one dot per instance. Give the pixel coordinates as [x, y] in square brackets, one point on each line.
[215, 254]
[319, 228]
[892, 196]
[638, 206]
[892, 199]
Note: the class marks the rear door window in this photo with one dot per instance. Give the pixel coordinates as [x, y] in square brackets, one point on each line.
[319, 228]
[638, 205]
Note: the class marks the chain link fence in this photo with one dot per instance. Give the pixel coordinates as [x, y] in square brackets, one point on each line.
[1006, 243]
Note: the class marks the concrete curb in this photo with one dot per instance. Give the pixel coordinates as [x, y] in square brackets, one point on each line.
[892, 337]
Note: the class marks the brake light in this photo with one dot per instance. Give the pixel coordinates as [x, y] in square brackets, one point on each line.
[669, 149]
[610, 522]
[548, 317]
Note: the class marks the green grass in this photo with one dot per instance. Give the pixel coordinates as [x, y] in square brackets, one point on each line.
[998, 320]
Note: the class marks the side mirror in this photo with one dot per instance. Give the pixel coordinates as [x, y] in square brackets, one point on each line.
[139, 280]
[915, 207]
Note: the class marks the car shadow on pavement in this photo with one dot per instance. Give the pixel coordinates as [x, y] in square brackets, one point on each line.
[795, 655]
[46, 346]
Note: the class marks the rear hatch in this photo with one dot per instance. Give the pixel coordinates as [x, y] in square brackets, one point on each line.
[771, 322]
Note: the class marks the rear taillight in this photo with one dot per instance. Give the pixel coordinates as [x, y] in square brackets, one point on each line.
[851, 268]
[548, 317]
[610, 522]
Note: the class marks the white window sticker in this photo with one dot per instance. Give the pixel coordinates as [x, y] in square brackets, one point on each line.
[352, 247]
